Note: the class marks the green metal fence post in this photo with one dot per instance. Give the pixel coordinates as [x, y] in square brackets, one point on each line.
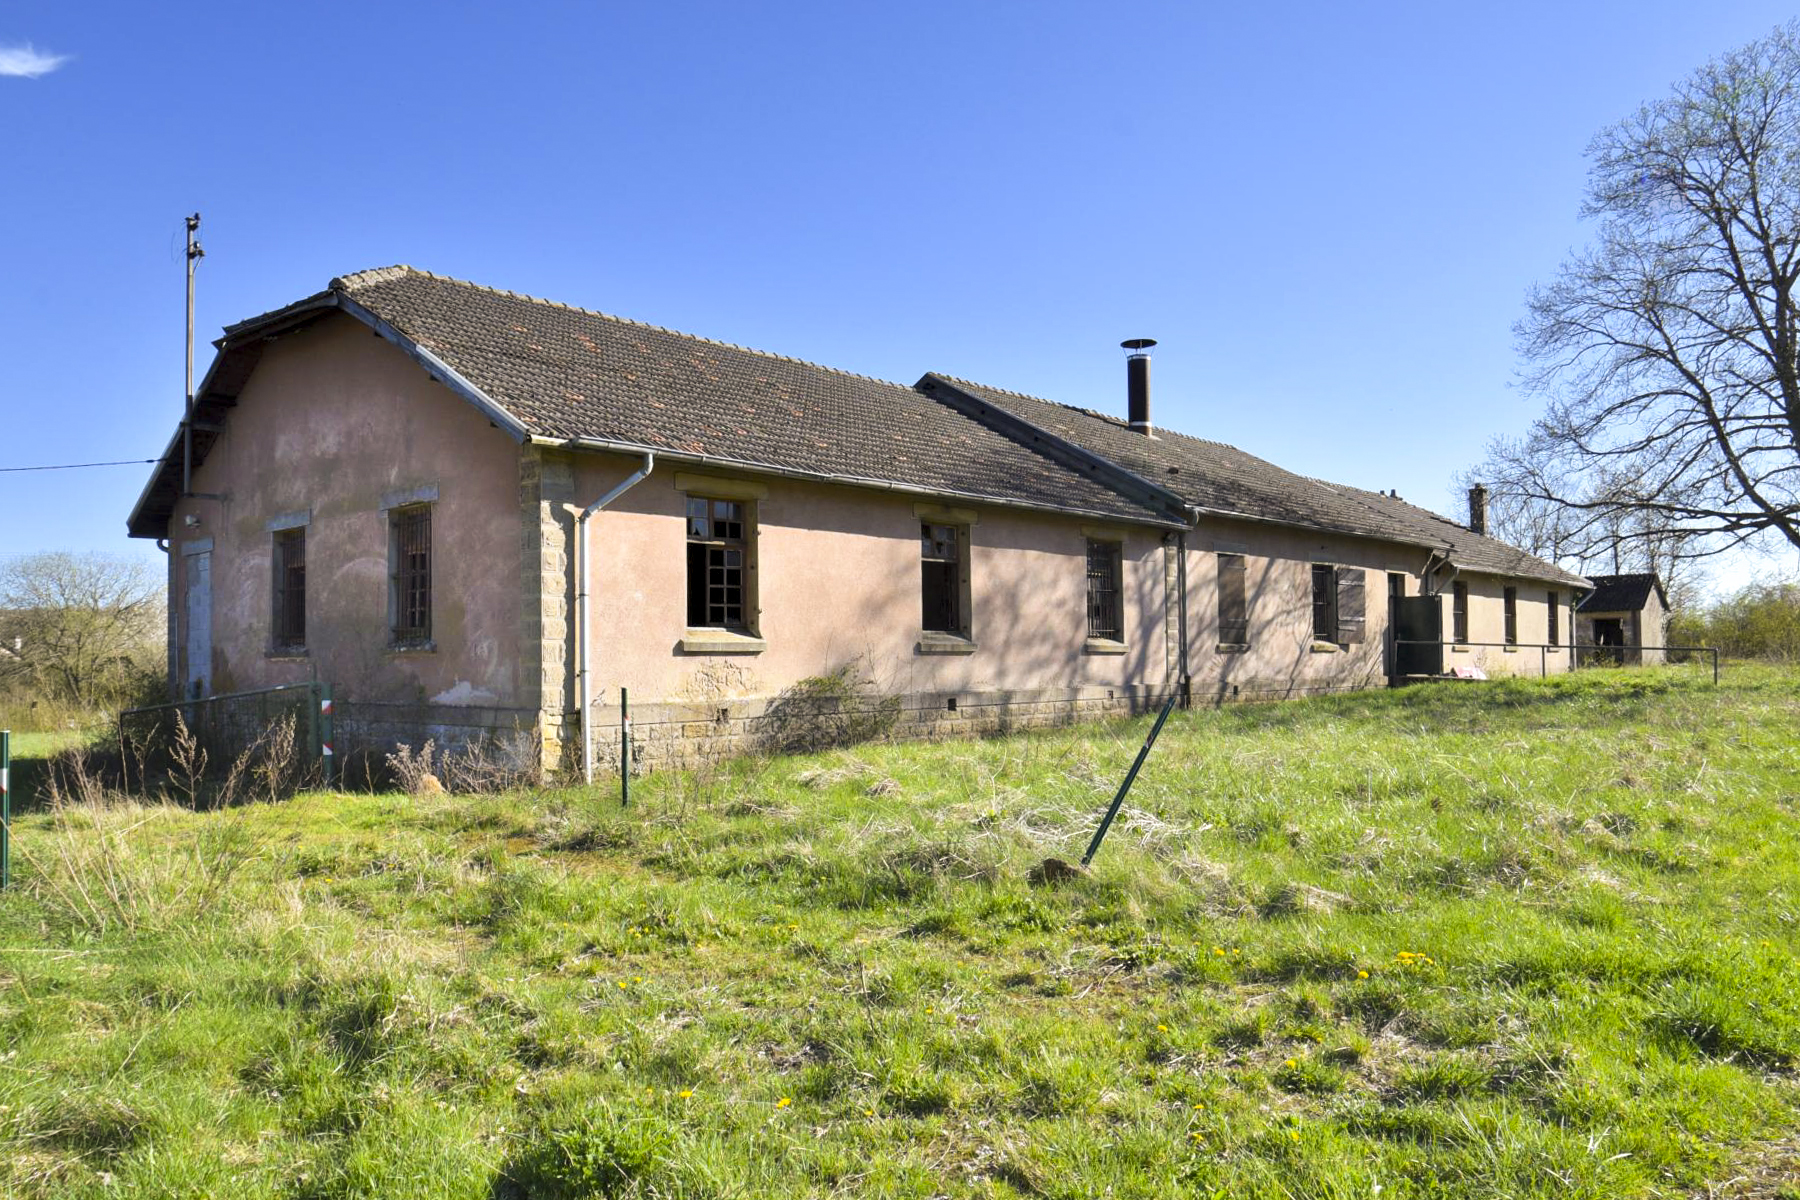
[327, 734]
[5, 809]
[624, 748]
[1107, 820]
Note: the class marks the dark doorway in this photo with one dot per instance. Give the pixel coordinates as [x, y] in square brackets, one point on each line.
[1609, 640]
[1418, 635]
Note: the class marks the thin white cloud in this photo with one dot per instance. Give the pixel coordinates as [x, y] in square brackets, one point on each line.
[28, 62]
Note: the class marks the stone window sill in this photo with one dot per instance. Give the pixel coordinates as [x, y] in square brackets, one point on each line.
[1459, 649]
[1552, 649]
[1096, 645]
[1234, 647]
[945, 643]
[721, 641]
[412, 648]
[287, 653]
[1509, 649]
[1324, 648]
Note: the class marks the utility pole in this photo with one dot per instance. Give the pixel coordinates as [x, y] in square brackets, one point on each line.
[194, 255]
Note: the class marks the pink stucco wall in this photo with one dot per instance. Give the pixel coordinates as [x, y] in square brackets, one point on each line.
[1283, 659]
[332, 420]
[838, 577]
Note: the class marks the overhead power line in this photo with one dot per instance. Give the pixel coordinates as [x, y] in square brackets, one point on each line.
[123, 462]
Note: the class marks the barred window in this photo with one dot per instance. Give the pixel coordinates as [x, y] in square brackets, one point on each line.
[410, 572]
[941, 574]
[1105, 612]
[288, 621]
[1324, 603]
[1512, 616]
[1234, 614]
[1555, 627]
[718, 562]
[1459, 612]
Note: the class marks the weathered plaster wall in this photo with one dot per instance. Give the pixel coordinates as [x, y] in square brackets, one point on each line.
[332, 420]
[1283, 659]
[838, 577]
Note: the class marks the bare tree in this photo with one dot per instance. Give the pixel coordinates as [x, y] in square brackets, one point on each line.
[1615, 535]
[1667, 350]
[83, 628]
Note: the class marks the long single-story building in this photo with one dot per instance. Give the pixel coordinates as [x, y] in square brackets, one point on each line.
[471, 510]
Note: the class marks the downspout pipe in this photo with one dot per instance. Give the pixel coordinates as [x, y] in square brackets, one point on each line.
[583, 667]
[1181, 585]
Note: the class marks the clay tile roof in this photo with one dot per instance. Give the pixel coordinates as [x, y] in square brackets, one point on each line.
[1225, 480]
[571, 373]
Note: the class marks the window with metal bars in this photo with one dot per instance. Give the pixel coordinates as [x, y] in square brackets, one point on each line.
[1234, 613]
[1554, 631]
[1324, 603]
[1104, 610]
[1511, 599]
[288, 620]
[1459, 612]
[941, 573]
[410, 540]
[718, 561]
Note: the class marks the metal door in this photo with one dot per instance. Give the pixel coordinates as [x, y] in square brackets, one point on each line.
[199, 623]
[1418, 619]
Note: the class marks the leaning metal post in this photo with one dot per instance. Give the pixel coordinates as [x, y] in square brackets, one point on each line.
[1130, 776]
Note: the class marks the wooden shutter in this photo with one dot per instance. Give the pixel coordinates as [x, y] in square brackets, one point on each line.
[1234, 615]
[1350, 604]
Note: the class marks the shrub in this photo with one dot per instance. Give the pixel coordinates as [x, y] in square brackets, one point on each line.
[840, 708]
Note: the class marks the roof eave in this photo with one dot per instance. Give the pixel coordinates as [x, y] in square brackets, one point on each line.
[143, 524]
[602, 445]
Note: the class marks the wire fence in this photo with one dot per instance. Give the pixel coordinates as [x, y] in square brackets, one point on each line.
[1581, 656]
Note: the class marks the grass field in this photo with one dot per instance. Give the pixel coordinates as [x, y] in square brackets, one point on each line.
[1501, 940]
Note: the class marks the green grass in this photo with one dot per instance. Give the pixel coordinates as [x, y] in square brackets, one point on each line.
[1514, 939]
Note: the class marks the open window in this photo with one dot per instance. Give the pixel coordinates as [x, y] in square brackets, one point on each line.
[943, 551]
[718, 564]
[1338, 604]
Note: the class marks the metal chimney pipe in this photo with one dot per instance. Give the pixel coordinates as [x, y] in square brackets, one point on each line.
[1137, 383]
[1478, 497]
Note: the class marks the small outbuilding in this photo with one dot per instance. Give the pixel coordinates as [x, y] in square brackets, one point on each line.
[1625, 618]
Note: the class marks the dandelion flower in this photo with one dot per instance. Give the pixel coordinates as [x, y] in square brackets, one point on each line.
[1362, 974]
[686, 1093]
[1294, 1133]
[621, 983]
[1219, 950]
[1293, 1062]
[1198, 1107]
[868, 1112]
[1164, 1028]
[784, 1102]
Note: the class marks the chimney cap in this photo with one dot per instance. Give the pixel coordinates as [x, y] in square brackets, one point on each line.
[1137, 346]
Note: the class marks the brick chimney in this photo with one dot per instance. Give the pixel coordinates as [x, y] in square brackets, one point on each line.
[1478, 509]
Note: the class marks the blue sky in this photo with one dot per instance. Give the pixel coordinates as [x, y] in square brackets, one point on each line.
[1328, 214]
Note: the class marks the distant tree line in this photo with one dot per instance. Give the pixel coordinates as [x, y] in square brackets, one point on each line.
[80, 633]
[1760, 621]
